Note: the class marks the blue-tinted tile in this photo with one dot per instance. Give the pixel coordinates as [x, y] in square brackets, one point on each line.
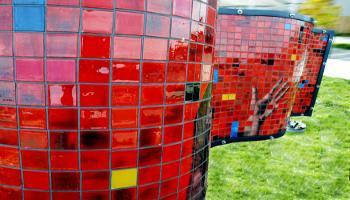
[29, 18]
[29, 2]
[301, 85]
[234, 129]
[216, 76]
[287, 26]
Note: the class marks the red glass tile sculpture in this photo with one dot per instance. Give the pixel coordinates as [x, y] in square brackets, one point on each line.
[259, 58]
[105, 99]
[310, 82]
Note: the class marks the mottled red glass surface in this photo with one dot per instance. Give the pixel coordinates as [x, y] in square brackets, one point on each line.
[308, 84]
[94, 99]
[258, 64]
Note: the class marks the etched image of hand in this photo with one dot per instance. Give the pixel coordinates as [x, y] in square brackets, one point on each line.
[264, 107]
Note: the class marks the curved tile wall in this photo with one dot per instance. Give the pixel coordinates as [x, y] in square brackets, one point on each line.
[310, 82]
[259, 58]
[105, 99]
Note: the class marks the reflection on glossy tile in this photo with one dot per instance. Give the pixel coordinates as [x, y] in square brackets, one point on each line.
[94, 71]
[153, 72]
[33, 118]
[151, 116]
[126, 71]
[155, 49]
[62, 95]
[124, 118]
[157, 25]
[94, 95]
[6, 69]
[63, 119]
[125, 95]
[92, 119]
[125, 139]
[163, 6]
[89, 43]
[7, 93]
[152, 95]
[97, 4]
[6, 44]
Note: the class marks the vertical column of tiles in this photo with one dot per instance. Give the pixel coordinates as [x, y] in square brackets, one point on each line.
[259, 60]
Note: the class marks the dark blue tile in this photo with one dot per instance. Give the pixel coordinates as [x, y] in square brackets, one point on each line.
[29, 18]
[234, 129]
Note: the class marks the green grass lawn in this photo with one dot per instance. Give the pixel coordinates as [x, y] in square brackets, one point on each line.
[310, 165]
[341, 46]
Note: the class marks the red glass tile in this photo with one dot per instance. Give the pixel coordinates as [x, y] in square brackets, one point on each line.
[102, 195]
[63, 2]
[123, 139]
[9, 156]
[34, 139]
[124, 159]
[211, 17]
[8, 137]
[126, 71]
[172, 134]
[63, 119]
[156, 6]
[30, 69]
[129, 194]
[149, 191]
[61, 45]
[94, 140]
[34, 159]
[175, 94]
[94, 95]
[32, 118]
[94, 160]
[129, 23]
[171, 153]
[182, 29]
[203, 13]
[95, 180]
[176, 72]
[6, 69]
[178, 50]
[155, 49]
[172, 114]
[62, 95]
[153, 72]
[92, 119]
[97, 4]
[29, 44]
[169, 187]
[97, 21]
[8, 117]
[64, 160]
[152, 95]
[131, 4]
[151, 116]
[182, 8]
[170, 170]
[9, 176]
[150, 156]
[6, 44]
[59, 70]
[65, 181]
[62, 19]
[148, 175]
[6, 18]
[157, 25]
[128, 48]
[63, 140]
[150, 137]
[7, 93]
[94, 71]
[31, 94]
[124, 118]
[34, 195]
[125, 95]
[36, 180]
[186, 165]
[66, 195]
[89, 44]
[10, 193]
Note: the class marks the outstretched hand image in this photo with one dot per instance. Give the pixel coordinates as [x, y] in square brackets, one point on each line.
[264, 107]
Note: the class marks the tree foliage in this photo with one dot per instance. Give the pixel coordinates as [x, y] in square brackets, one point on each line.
[325, 12]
